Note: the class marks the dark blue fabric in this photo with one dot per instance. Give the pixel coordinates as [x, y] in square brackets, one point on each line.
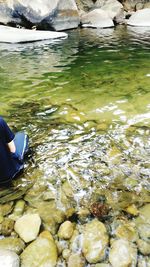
[10, 164]
[21, 143]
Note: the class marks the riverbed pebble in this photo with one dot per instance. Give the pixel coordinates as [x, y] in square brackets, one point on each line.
[7, 226]
[144, 247]
[66, 230]
[76, 260]
[95, 241]
[122, 254]
[41, 252]
[18, 209]
[12, 243]
[27, 227]
[9, 258]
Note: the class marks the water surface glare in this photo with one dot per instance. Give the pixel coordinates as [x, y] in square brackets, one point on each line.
[85, 103]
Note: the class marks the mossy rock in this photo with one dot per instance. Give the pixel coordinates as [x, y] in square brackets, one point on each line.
[7, 226]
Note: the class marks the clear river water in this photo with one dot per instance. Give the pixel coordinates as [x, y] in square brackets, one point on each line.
[85, 103]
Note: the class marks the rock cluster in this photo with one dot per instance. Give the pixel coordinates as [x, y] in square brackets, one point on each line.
[122, 241]
[61, 15]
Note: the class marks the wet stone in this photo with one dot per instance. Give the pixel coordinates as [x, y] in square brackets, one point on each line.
[7, 227]
[41, 252]
[28, 226]
[144, 247]
[127, 231]
[132, 209]
[5, 209]
[51, 216]
[18, 209]
[95, 241]
[122, 254]
[76, 260]
[9, 258]
[66, 230]
[13, 244]
[66, 253]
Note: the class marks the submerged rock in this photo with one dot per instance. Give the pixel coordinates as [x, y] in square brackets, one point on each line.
[76, 260]
[5, 209]
[18, 209]
[127, 231]
[27, 227]
[95, 241]
[132, 209]
[51, 216]
[99, 210]
[123, 254]
[97, 18]
[9, 258]
[66, 230]
[143, 222]
[41, 252]
[144, 247]
[13, 244]
[7, 226]
[141, 18]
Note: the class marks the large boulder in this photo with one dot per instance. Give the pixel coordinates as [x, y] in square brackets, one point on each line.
[141, 18]
[15, 35]
[85, 5]
[56, 14]
[112, 7]
[9, 258]
[97, 18]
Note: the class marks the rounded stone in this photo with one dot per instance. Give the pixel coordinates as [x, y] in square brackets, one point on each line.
[7, 227]
[144, 247]
[9, 258]
[66, 230]
[95, 241]
[76, 260]
[122, 254]
[141, 18]
[41, 252]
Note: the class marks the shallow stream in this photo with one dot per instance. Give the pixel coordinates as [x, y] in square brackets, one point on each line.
[85, 103]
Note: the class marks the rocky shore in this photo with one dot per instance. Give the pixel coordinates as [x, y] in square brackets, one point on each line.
[61, 15]
[40, 234]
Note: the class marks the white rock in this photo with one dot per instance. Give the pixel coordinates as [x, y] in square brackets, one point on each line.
[112, 7]
[141, 18]
[15, 35]
[56, 14]
[27, 227]
[8, 258]
[122, 254]
[97, 19]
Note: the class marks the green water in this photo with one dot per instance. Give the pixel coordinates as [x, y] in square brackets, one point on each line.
[85, 103]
